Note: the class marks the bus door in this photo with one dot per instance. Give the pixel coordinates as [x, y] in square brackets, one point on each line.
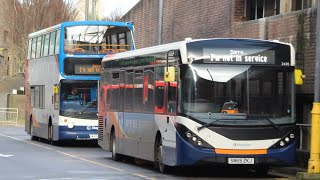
[121, 88]
[167, 128]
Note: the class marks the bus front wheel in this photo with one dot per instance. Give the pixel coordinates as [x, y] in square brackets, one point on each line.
[33, 138]
[115, 156]
[50, 135]
[158, 163]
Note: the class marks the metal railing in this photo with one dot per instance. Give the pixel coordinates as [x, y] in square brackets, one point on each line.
[9, 116]
[304, 134]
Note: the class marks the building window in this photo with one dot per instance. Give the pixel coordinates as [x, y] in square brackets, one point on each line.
[301, 4]
[256, 9]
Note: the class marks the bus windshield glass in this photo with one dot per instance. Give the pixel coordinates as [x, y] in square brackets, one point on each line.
[96, 39]
[79, 99]
[236, 94]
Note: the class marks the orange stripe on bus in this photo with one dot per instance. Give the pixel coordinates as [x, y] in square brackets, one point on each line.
[241, 151]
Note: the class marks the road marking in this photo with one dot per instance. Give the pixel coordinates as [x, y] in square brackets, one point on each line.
[80, 158]
[5, 155]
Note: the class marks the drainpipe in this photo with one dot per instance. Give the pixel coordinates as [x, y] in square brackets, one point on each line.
[93, 10]
[87, 10]
[160, 18]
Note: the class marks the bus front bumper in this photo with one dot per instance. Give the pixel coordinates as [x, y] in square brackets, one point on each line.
[77, 133]
[188, 154]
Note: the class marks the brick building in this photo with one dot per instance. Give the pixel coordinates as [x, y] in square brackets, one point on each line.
[292, 21]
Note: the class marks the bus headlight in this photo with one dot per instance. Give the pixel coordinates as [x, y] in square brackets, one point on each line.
[194, 138]
[287, 139]
[191, 137]
[188, 134]
[70, 125]
[292, 136]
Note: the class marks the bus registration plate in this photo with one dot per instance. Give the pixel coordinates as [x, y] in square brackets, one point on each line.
[93, 136]
[240, 160]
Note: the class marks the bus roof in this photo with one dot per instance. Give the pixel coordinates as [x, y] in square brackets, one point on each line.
[148, 50]
[181, 45]
[77, 23]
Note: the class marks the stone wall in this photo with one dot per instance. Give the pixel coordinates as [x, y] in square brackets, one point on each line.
[18, 101]
[14, 101]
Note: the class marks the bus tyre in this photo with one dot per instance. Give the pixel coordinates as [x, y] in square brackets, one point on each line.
[50, 135]
[158, 163]
[33, 138]
[115, 156]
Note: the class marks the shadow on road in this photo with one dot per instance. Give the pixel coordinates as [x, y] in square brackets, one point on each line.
[83, 143]
[203, 171]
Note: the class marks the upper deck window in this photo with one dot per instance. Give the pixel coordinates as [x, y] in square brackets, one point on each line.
[96, 39]
[256, 9]
[43, 45]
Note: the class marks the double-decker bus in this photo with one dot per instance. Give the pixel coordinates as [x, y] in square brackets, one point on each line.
[214, 101]
[62, 73]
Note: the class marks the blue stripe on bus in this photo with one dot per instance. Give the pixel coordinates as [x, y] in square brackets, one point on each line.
[188, 154]
[78, 132]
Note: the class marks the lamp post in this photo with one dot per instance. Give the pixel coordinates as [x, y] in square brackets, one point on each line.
[87, 10]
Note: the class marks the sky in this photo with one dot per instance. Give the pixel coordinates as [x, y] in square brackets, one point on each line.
[122, 5]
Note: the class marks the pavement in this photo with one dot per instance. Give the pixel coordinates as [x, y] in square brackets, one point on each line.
[301, 165]
[288, 172]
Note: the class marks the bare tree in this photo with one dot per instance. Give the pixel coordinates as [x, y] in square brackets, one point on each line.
[115, 15]
[27, 16]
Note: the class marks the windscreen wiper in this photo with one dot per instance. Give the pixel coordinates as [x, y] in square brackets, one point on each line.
[267, 119]
[86, 107]
[274, 125]
[208, 124]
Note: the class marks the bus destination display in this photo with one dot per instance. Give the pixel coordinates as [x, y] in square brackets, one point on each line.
[87, 68]
[239, 56]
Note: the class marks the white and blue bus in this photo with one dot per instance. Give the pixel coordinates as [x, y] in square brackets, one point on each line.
[62, 73]
[214, 101]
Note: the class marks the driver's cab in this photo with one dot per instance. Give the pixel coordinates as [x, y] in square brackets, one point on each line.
[78, 98]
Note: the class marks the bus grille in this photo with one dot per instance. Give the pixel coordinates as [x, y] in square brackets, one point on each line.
[100, 130]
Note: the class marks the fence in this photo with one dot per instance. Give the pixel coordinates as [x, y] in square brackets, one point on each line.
[304, 136]
[9, 116]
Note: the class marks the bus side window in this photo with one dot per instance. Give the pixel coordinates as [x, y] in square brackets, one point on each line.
[128, 93]
[159, 91]
[137, 90]
[114, 92]
[108, 89]
[148, 89]
[121, 90]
